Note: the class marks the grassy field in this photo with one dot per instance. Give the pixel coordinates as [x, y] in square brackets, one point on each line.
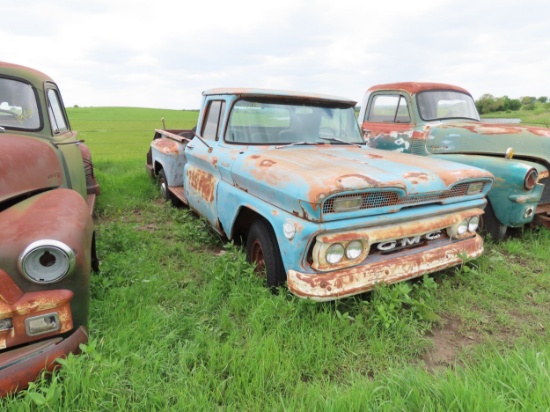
[540, 116]
[179, 321]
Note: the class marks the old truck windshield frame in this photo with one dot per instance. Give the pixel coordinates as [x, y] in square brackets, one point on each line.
[18, 105]
[274, 122]
[446, 104]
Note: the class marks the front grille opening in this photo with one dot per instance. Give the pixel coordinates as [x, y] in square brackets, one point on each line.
[373, 200]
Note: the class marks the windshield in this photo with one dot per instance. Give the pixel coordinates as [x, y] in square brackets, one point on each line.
[283, 122]
[18, 107]
[443, 104]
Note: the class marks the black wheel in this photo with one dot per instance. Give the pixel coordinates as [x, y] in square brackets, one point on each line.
[262, 250]
[491, 225]
[163, 186]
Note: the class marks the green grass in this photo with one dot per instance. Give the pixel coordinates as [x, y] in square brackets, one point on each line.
[540, 116]
[179, 321]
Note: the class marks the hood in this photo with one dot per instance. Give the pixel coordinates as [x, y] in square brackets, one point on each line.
[489, 138]
[298, 178]
[27, 165]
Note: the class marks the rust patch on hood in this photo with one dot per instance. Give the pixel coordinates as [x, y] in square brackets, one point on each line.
[497, 129]
[323, 174]
[416, 177]
[267, 163]
[355, 180]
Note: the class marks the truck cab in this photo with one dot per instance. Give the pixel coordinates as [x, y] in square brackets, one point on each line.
[289, 175]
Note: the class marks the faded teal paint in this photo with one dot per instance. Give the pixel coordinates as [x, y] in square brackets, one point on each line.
[490, 139]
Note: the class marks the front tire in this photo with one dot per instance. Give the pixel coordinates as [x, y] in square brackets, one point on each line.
[491, 225]
[262, 250]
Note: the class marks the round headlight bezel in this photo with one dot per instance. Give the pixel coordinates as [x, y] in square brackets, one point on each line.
[530, 179]
[46, 261]
[462, 227]
[354, 249]
[473, 224]
[337, 251]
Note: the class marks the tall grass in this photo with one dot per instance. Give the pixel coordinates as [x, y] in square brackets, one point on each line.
[179, 321]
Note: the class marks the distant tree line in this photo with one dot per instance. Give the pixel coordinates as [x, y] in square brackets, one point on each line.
[488, 103]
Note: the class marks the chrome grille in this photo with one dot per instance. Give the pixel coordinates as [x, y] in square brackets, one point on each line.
[372, 200]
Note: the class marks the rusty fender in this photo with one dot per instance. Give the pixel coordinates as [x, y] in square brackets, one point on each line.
[168, 154]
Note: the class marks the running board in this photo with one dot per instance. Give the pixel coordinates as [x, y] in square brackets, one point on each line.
[177, 191]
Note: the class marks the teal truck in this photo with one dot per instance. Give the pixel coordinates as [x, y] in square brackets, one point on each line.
[289, 176]
[441, 121]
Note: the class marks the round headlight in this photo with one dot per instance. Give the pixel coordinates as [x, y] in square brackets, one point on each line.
[335, 253]
[473, 224]
[462, 228]
[354, 249]
[46, 261]
[530, 179]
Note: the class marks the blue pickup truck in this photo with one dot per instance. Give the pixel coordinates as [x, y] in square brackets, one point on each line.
[289, 175]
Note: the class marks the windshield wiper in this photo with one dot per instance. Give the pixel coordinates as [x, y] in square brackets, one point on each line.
[297, 144]
[336, 139]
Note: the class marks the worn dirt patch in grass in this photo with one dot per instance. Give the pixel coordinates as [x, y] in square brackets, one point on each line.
[448, 341]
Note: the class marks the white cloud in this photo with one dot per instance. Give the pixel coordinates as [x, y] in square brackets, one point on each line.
[163, 53]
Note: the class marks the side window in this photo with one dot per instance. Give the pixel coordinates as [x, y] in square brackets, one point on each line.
[211, 128]
[55, 111]
[402, 115]
[388, 109]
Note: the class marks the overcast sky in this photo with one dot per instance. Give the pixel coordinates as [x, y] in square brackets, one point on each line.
[163, 54]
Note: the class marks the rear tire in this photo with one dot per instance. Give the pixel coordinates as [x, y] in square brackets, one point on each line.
[163, 186]
[491, 225]
[262, 250]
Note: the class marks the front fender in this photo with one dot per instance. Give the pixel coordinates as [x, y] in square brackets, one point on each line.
[61, 215]
[231, 201]
[512, 203]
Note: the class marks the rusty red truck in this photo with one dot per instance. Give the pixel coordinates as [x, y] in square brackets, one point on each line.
[289, 175]
[47, 244]
[441, 121]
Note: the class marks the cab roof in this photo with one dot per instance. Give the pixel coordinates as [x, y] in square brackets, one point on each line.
[33, 76]
[416, 87]
[283, 94]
